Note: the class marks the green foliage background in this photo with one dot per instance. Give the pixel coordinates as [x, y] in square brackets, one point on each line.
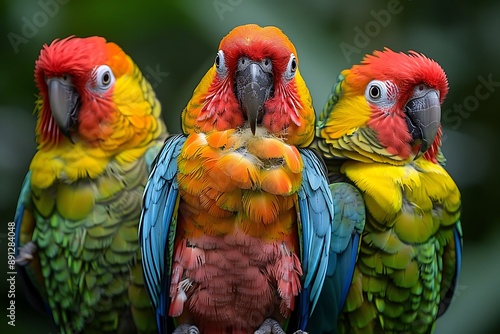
[181, 38]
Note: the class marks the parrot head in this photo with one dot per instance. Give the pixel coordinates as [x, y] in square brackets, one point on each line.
[254, 83]
[78, 93]
[397, 97]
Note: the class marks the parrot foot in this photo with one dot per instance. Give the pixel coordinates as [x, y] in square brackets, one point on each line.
[26, 253]
[186, 329]
[271, 326]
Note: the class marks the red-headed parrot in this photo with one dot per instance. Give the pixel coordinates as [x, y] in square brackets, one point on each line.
[98, 130]
[380, 135]
[238, 217]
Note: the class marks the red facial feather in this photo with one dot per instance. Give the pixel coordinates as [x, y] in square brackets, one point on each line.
[285, 102]
[75, 58]
[406, 71]
[219, 99]
[256, 43]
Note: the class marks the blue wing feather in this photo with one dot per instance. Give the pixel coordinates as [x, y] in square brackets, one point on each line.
[316, 217]
[29, 285]
[157, 226]
[347, 227]
[458, 249]
[24, 199]
[450, 291]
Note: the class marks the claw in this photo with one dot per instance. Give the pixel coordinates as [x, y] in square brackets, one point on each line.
[26, 253]
[186, 329]
[271, 326]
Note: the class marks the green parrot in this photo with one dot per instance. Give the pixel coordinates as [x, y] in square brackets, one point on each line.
[380, 136]
[99, 128]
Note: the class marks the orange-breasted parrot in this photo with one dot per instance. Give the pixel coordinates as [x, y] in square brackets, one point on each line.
[380, 135]
[98, 130]
[237, 217]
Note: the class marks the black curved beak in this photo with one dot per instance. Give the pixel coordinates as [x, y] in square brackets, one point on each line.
[254, 85]
[64, 100]
[423, 117]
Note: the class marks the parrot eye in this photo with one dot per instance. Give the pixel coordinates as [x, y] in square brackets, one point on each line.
[104, 77]
[220, 63]
[376, 91]
[291, 67]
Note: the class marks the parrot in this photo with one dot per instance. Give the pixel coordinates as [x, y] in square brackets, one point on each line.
[98, 130]
[237, 217]
[380, 136]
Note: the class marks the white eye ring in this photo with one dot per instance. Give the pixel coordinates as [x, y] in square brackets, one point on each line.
[376, 90]
[220, 63]
[291, 68]
[104, 77]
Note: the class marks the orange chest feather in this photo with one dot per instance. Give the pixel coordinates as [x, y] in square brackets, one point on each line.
[234, 183]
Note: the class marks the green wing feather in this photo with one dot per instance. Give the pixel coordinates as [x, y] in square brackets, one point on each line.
[333, 98]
